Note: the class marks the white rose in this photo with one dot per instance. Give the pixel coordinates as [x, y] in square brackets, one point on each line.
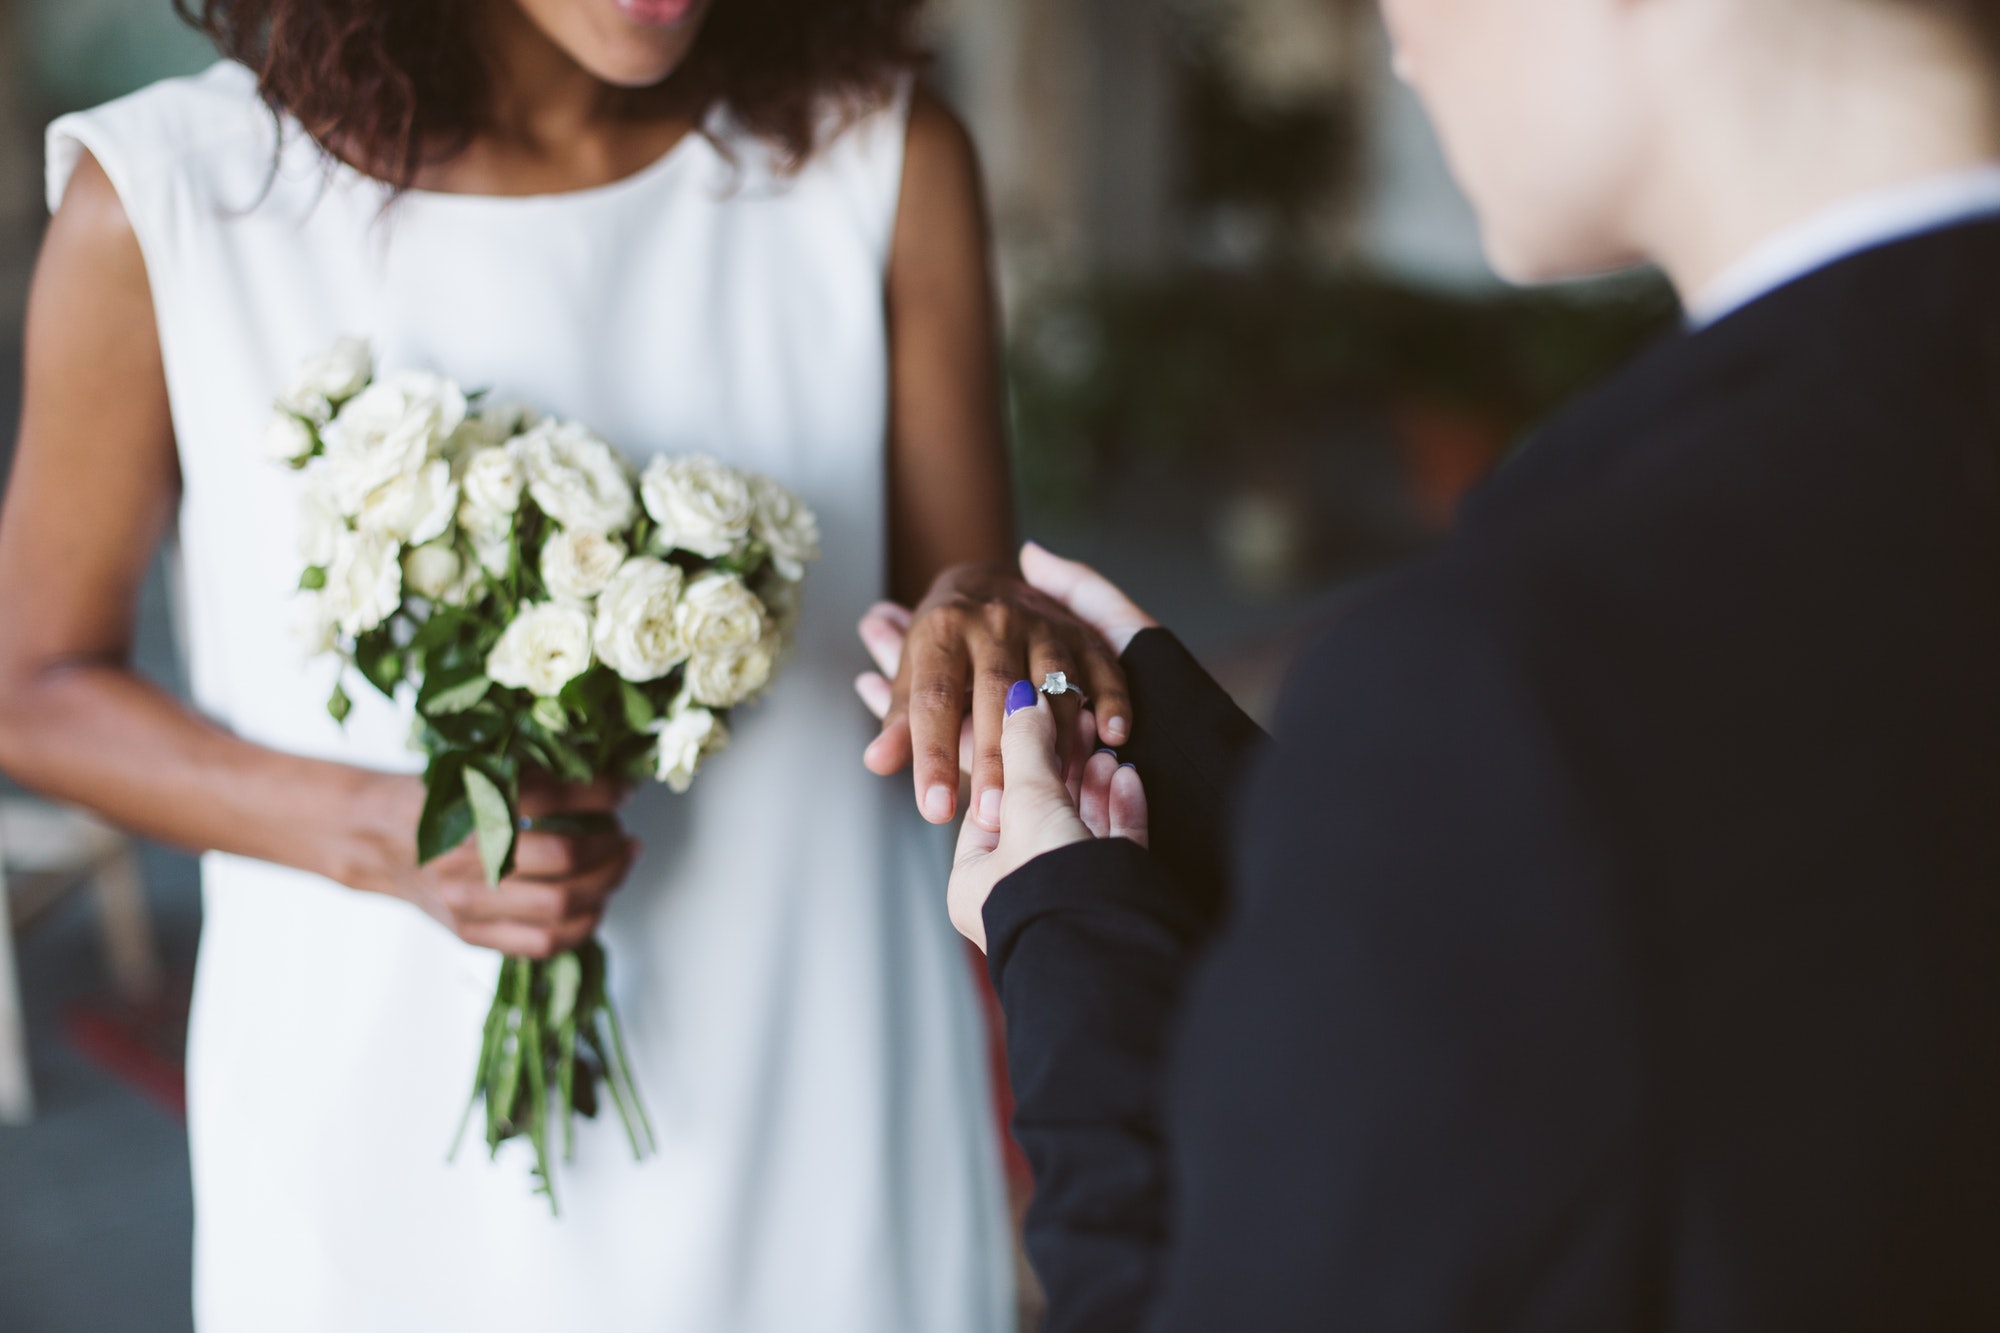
[576, 478]
[723, 680]
[546, 647]
[364, 582]
[786, 526]
[436, 572]
[495, 554]
[687, 736]
[491, 425]
[717, 614]
[415, 508]
[701, 505]
[313, 626]
[391, 429]
[320, 525]
[325, 381]
[636, 632]
[576, 566]
[490, 480]
[288, 439]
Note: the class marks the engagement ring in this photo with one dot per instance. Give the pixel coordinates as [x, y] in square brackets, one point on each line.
[1057, 682]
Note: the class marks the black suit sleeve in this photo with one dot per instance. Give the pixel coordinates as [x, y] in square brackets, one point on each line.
[1088, 947]
[1404, 1090]
[1193, 748]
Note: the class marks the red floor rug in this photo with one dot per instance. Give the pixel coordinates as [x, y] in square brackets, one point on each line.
[143, 1045]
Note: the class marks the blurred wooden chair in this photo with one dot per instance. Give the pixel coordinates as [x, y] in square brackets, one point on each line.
[46, 852]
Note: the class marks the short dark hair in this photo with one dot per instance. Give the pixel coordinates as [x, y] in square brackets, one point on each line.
[389, 80]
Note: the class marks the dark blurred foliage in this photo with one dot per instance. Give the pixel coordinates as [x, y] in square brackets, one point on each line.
[1280, 164]
[1213, 371]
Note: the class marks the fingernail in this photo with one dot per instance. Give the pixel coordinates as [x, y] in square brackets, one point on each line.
[1133, 767]
[937, 804]
[1115, 729]
[989, 808]
[1105, 749]
[1023, 695]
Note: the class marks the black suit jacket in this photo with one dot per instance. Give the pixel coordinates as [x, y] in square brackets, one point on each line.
[1612, 935]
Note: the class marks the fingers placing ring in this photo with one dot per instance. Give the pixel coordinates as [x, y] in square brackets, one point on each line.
[1053, 667]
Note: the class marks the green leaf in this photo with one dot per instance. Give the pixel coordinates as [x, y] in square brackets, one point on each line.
[447, 817]
[339, 704]
[565, 977]
[492, 822]
[639, 711]
[439, 629]
[457, 698]
[380, 661]
[313, 579]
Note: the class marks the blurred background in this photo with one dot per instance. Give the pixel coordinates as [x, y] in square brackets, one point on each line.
[1254, 351]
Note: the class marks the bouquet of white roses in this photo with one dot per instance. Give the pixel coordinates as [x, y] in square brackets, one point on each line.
[545, 611]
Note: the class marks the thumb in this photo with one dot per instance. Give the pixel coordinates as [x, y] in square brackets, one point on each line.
[1034, 773]
[1094, 599]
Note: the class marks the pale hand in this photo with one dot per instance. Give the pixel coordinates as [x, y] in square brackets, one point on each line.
[1041, 811]
[1090, 597]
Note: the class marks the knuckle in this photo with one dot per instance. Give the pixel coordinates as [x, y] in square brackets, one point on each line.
[998, 677]
[936, 696]
[1002, 619]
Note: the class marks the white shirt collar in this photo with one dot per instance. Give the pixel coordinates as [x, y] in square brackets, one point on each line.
[1847, 228]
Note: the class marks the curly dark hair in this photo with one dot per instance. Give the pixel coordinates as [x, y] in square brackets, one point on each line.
[394, 82]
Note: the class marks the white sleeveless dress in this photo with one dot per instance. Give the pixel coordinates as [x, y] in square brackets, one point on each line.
[802, 1023]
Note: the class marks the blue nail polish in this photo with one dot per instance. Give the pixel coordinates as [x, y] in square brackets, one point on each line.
[1105, 749]
[1133, 767]
[1023, 695]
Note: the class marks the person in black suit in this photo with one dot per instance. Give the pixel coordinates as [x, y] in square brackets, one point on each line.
[1609, 939]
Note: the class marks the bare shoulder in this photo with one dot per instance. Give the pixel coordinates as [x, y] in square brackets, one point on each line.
[91, 228]
[940, 162]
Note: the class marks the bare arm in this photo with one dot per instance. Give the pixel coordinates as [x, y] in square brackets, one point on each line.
[950, 494]
[95, 483]
[978, 627]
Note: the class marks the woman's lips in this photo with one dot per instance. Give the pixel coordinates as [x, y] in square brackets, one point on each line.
[657, 13]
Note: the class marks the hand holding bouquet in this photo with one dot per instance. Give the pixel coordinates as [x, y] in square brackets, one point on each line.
[546, 613]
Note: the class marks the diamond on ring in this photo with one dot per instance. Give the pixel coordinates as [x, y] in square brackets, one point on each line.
[1057, 682]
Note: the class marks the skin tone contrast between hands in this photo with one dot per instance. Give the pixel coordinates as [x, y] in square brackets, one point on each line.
[1057, 791]
[582, 98]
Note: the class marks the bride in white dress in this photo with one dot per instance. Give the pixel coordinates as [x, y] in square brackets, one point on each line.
[738, 231]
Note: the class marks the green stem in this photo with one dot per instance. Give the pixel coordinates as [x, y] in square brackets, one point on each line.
[625, 1075]
[537, 1109]
[489, 1043]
